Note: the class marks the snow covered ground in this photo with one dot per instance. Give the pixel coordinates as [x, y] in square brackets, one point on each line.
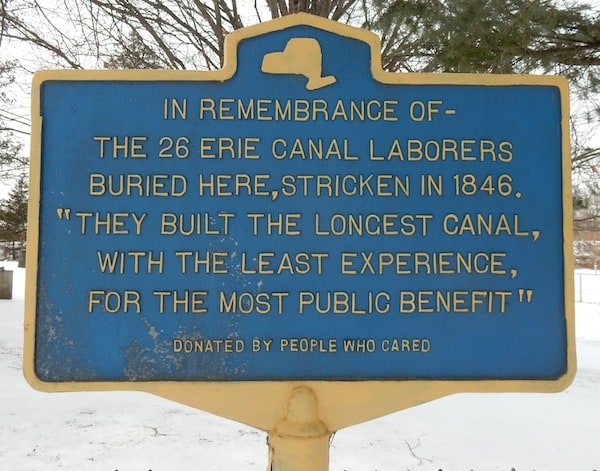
[108, 431]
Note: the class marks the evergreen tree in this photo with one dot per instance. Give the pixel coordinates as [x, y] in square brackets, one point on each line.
[13, 220]
[490, 36]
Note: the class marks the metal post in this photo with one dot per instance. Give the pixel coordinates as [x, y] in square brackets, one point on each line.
[300, 442]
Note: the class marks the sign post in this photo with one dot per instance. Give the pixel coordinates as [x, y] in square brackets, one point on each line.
[299, 241]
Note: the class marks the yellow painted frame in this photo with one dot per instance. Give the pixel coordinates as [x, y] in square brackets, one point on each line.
[266, 404]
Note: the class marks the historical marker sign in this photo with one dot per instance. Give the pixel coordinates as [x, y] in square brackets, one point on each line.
[303, 216]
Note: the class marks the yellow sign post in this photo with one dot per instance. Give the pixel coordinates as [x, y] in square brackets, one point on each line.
[299, 241]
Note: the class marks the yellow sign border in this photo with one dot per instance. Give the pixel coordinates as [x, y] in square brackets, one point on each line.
[264, 404]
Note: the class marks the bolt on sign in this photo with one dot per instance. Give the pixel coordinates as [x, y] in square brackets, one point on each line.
[300, 229]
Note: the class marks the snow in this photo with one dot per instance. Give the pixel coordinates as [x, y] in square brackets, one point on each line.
[133, 431]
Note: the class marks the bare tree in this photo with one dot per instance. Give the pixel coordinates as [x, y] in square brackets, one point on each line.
[490, 36]
[182, 34]
[12, 161]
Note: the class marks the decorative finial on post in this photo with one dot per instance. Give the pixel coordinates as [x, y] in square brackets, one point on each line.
[301, 440]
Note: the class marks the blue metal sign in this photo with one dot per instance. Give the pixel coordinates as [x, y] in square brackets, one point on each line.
[301, 216]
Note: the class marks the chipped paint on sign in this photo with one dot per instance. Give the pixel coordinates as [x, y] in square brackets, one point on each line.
[300, 217]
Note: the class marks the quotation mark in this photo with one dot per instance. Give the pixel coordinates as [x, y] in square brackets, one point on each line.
[525, 295]
[63, 213]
